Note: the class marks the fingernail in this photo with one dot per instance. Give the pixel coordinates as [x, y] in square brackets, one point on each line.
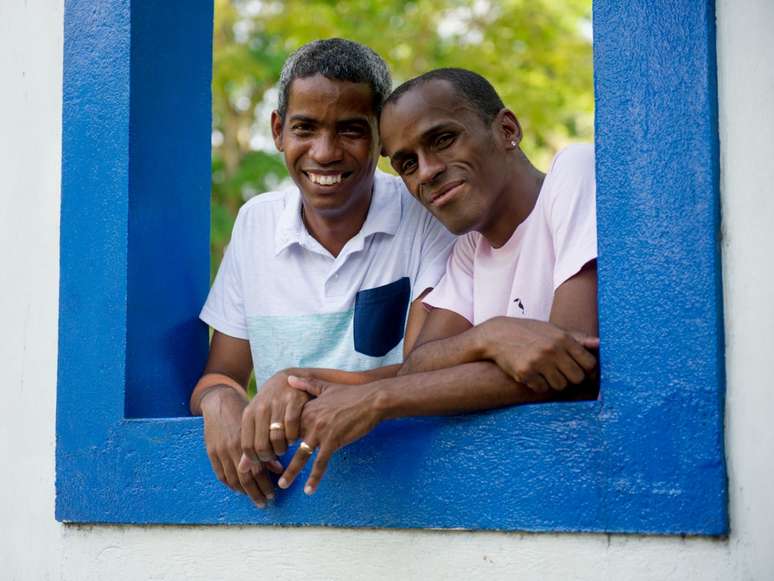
[270, 496]
[260, 504]
[282, 483]
[308, 490]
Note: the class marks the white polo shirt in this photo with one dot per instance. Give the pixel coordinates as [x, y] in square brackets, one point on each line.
[299, 306]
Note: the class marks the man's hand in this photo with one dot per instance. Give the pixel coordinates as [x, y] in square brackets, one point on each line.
[538, 354]
[340, 415]
[222, 409]
[271, 420]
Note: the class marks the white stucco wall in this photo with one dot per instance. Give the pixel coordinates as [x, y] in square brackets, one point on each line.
[35, 547]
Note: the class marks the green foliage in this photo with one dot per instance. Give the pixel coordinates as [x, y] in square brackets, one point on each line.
[533, 51]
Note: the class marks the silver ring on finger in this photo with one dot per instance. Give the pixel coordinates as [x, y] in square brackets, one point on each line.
[276, 426]
[306, 448]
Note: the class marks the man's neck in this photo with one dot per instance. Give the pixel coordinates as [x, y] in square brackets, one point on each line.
[334, 229]
[514, 205]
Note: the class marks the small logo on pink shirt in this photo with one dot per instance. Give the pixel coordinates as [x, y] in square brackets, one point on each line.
[519, 304]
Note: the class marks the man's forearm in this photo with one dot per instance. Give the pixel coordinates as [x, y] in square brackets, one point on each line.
[466, 347]
[464, 388]
[346, 377]
[340, 414]
[210, 382]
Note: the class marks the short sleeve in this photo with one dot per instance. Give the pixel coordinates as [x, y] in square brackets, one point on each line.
[573, 218]
[224, 309]
[437, 243]
[455, 290]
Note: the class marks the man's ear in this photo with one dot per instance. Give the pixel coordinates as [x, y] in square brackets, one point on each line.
[508, 128]
[276, 129]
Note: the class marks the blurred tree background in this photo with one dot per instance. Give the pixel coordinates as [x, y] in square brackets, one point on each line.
[537, 54]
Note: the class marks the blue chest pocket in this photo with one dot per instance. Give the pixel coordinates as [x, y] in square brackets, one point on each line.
[380, 317]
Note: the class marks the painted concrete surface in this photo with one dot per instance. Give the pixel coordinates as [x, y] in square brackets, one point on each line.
[746, 86]
[647, 458]
[31, 39]
[36, 547]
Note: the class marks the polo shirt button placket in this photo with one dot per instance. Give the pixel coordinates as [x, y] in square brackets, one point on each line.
[332, 286]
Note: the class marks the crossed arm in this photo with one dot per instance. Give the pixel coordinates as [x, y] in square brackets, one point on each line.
[457, 368]
[453, 368]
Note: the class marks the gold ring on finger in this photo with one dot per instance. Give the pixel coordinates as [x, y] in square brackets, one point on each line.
[306, 448]
[275, 426]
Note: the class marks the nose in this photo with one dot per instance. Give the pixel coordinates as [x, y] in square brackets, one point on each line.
[325, 149]
[430, 167]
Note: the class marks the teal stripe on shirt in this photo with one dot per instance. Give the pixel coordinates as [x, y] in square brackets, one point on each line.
[318, 340]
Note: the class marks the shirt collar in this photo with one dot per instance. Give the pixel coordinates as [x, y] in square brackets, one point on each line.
[383, 217]
[290, 227]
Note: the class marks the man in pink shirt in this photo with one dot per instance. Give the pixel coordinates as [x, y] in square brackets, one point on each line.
[513, 319]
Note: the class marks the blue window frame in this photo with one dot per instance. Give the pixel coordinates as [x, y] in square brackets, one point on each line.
[648, 457]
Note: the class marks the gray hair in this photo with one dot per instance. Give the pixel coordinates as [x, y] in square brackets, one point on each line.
[339, 60]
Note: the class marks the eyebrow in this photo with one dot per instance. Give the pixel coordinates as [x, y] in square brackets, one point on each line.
[353, 121]
[438, 128]
[347, 121]
[302, 118]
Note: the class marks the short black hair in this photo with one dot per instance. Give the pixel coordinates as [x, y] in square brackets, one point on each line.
[337, 59]
[468, 85]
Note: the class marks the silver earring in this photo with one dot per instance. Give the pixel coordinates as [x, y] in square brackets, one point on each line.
[513, 143]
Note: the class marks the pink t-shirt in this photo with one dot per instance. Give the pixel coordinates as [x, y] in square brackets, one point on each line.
[551, 245]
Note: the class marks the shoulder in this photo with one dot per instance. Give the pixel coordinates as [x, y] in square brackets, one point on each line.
[258, 219]
[571, 175]
[574, 161]
[262, 204]
[263, 210]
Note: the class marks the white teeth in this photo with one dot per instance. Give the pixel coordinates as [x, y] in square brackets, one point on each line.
[325, 180]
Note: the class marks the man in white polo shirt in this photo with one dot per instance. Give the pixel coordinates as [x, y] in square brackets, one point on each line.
[515, 315]
[321, 275]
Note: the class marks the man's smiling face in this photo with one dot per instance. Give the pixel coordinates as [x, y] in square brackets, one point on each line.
[330, 142]
[447, 155]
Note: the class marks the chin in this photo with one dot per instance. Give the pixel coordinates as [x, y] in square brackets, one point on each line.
[456, 227]
[454, 222]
